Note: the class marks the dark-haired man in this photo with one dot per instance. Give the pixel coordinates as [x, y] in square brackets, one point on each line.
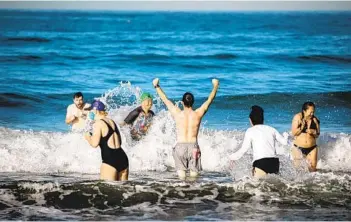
[262, 139]
[187, 153]
[77, 112]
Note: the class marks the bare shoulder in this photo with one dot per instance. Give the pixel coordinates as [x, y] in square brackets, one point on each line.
[297, 117]
[69, 107]
[179, 114]
[316, 120]
[98, 123]
[198, 112]
[111, 122]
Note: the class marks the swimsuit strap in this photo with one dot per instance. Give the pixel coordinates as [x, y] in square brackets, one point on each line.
[304, 130]
[110, 130]
[118, 134]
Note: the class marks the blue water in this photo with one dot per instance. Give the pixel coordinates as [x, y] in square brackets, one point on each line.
[277, 60]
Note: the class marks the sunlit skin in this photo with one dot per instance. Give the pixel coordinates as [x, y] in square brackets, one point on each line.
[78, 102]
[100, 129]
[74, 119]
[307, 139]
[146, 105]
[187, 120]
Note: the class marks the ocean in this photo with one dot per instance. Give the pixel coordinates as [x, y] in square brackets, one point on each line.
[277, 60]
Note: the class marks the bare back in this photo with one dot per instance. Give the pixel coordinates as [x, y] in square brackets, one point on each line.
[188, 124]
[113, 142]
[187, 120]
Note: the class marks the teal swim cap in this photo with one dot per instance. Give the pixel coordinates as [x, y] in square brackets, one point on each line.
[145, 96]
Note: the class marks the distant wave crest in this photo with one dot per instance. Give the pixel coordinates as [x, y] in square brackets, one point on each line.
[17, 100]
[15, 58]
[326, 58]
[27, 39]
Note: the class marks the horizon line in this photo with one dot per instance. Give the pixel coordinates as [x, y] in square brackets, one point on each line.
[176, 10]
[190, 5]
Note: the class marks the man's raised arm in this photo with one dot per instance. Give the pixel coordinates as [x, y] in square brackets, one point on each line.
[203, 109]
[171, 107]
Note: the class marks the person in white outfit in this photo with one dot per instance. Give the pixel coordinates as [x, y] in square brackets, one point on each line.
[262, 139]
[77, 112]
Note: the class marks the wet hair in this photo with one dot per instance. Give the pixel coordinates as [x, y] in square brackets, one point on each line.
[256, 115]
[77, 95]
[188, 99]
[305, 107]
[102, 113]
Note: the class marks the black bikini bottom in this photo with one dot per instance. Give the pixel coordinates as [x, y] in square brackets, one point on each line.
[306, 151]
[268, 165]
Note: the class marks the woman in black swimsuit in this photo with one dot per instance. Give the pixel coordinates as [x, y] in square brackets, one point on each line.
[106, 135]
[306, 129]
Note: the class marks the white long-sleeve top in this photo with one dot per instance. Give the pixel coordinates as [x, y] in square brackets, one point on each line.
[262, 139]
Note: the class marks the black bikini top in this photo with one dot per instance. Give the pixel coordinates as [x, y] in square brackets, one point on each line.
[312, 126]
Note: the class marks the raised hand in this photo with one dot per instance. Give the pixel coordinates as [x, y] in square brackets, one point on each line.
[155, 82]
[215, 82]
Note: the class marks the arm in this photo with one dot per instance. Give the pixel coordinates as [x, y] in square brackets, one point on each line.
[297, 125]
[94, 139]
[203, 109]
[171, 107]
[123, 123]
[87, 108]
[69, 116]
[131, 117]
[246, 145]
[280, 138]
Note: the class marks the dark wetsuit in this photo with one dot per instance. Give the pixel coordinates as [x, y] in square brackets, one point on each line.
[306, 151]
[140, 122]
[115, 157]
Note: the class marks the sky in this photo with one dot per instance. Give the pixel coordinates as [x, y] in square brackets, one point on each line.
[199, 5]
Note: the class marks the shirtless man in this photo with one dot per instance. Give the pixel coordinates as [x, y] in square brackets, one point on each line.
[77, 112]
[187, 153]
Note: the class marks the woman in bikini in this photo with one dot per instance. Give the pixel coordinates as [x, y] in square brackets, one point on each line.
[106, 135]
[305, 128]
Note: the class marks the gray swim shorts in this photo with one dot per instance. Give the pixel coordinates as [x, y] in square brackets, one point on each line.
[184, 157]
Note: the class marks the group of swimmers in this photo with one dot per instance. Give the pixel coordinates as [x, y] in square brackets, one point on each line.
[186, 153]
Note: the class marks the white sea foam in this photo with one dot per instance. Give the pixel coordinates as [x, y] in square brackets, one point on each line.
[55, 152]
